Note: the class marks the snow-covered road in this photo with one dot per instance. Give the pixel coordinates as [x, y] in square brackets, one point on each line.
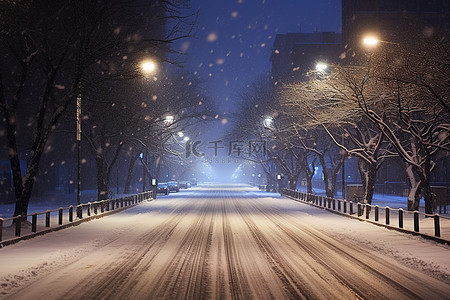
[228, 242]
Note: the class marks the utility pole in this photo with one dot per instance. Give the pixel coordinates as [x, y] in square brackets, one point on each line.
[343, 168]
[78, 115]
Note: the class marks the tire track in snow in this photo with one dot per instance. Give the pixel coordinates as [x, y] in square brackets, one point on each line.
[238, 282]
[105, 278]
[320, 247]
[226, 244]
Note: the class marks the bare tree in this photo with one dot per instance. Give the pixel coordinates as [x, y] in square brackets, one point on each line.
[418, 126]
[54, 46]
[333, 104]
[388, 104]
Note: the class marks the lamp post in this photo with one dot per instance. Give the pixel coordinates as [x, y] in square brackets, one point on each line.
[372, 41]
[148, 67]
[141, 156]
[343, 173]
[78, 116]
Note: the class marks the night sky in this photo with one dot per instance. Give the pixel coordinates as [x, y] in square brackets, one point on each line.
[232, 47]
[233, 39]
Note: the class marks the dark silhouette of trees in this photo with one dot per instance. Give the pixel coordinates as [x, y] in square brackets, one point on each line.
[52, 50]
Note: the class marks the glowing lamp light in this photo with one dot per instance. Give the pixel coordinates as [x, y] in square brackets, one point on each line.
[169, 120]
[148, 67]
[268, 122]
[370, 41]
[321, 67]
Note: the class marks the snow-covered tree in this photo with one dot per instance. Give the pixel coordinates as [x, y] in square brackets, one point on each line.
[396, 103]
[333, 104]
[417, 78]
[50, 49]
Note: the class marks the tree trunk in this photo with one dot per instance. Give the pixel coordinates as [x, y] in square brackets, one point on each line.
[415, 190]
[127, 189]
[368, 173]
[28, 181]
[102, 180]
[293, 182]
[424, 176]
[309, 173]
[329, 181]
[336, 171]
[271, 182]
[326, 177]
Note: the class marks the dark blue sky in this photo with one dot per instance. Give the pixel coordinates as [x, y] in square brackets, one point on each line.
[234, 38]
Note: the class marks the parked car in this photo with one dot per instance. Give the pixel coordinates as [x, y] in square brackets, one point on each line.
[163, 188]
[184, 185]
[173, 186]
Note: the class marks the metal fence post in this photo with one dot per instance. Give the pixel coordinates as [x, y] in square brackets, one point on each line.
[89, 209]
[71, 213]
[18, 224]
[345, 207]
[416, 221]
[47, 218]
[387, 215]
[351, 207]
[95, 207]
[60, 216]
[376, 213]
[400, 218]
[34, 222]
[80, 211]
[359, 209]
[437, 228]
[367, 211]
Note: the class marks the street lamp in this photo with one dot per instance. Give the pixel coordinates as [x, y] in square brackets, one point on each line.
[268, 122]
[78, 116]
[371, 41]
[321, 67]
[168, 120]
[148, 67]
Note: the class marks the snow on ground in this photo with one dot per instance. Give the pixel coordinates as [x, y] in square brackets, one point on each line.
[49, 202]
[225, 242]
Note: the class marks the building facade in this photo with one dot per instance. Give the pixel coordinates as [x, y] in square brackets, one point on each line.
[296, 54]
[396, 21]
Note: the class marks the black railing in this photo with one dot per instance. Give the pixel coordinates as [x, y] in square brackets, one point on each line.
[67, 213]
[408, 220]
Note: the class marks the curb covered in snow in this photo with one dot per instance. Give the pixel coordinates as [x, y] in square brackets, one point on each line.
[68, 225]
[426, 236]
